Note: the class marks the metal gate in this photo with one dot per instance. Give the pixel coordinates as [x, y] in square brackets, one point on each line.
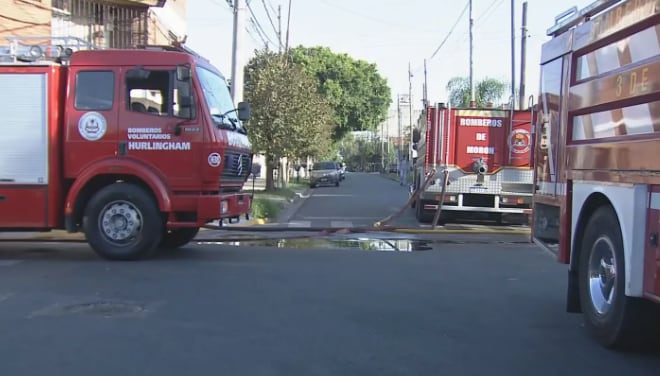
[101, 23]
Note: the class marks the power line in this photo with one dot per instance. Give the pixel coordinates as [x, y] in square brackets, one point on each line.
[450, 30]
[374, 19]
[487, 16]
[254, 26]
[258, 24]
[269, 17]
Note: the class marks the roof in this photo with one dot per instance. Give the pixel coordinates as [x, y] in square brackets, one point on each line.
[133, 57]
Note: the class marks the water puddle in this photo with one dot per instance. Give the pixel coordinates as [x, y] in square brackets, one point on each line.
[362, 244]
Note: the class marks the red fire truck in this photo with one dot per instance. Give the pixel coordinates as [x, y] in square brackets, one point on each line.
[597, 192]
[136, 148]
[486, 153]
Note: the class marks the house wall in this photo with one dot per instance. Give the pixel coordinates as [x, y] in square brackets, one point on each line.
[24, 18]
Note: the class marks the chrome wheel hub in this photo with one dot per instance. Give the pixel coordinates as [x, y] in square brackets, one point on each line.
[602, 275]
[120, 222]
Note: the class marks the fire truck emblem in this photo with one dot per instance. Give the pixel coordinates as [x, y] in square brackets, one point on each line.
[519, 141]
[92, 126]
[214, 160]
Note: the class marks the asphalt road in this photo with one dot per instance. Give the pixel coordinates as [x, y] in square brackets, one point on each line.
[442, 304]
[454, 309]
[361, 200]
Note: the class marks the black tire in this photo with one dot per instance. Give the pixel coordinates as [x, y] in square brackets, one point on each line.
[619, 324]
[179, 237]
[337, 183]
[123, 202]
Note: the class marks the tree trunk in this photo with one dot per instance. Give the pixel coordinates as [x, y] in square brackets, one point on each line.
[270, 179]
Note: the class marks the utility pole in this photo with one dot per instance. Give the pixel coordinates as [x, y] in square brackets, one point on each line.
[472, 95]
[237, 55]
[426, 87]
[523, 57]
[288, 23]
[410, 104]
[400, 136]
[513, 55]
[279, 26]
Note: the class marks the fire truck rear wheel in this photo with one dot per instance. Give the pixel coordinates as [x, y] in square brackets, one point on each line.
[611, 316]
[173, 239]
[122, 222]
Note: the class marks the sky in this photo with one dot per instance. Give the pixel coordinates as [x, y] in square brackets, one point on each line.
[391, 34]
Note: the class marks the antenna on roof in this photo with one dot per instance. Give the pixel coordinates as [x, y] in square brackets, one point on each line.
[572, 16]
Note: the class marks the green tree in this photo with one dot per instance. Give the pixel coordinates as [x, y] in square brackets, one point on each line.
[359, 95]
[486, 90]
[290, 118]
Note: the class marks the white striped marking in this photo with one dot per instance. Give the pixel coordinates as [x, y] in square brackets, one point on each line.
[341, 224]
[300, 224]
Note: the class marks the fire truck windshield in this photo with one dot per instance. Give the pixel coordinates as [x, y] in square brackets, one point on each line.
[218, 100]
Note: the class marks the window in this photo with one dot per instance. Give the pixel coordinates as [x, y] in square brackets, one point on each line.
[95, 90]
[156, 92]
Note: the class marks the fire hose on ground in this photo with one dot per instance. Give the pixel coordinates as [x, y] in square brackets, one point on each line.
[379, 226]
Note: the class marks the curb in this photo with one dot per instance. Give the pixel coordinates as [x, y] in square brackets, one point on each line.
[290, 210]
[463, 231]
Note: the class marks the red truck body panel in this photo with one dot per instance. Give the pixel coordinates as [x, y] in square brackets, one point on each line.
[201, 170]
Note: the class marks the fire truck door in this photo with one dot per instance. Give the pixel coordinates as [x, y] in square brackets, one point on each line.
[157, 129]
[548, 129]
[652, 251]
[90, 118]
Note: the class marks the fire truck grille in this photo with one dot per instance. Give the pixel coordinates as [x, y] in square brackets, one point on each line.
[237, 166]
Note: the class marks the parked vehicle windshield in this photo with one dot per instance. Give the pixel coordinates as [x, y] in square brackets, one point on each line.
[218, 99]
[325, 166]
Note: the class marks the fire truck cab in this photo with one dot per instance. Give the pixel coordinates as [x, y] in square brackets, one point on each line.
[597, 175]
[136, 148]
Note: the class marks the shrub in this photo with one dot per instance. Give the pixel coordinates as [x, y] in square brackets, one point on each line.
[264, 208]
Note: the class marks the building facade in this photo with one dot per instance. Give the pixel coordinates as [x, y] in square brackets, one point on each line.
[106, 24]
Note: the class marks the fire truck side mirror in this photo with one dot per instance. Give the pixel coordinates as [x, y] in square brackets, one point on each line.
[183, 73]
[243, 111]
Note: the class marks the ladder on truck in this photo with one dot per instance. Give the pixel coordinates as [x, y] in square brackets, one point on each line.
[572, 17]
[30, 49]
[59, 49]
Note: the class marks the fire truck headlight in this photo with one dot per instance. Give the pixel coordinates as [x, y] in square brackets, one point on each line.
[224, 207]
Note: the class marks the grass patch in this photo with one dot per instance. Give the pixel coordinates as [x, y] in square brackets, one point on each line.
[265, 208]
[268, 204]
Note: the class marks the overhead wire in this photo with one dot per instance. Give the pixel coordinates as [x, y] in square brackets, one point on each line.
[258, 24]
[269, 17]
[460, 16]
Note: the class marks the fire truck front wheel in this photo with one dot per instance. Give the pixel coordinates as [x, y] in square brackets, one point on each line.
[612, 317]
[122, 222]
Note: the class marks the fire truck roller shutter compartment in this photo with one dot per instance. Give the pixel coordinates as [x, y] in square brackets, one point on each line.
[23, 149]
